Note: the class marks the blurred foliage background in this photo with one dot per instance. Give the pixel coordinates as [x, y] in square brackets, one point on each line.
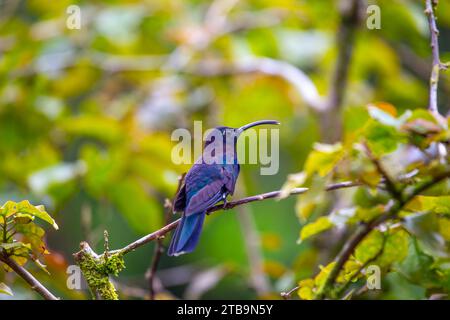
[86, 117]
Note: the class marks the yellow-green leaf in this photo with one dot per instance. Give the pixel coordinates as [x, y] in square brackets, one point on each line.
[37, 211]
[440, 205]
[319, 280]
[369, 247]
[5, 289]
[293, 181]
[8, 209]
[306, 289]
[323, 158]
[23, 218]
[381, 139]
[395, 247]
[320, 225]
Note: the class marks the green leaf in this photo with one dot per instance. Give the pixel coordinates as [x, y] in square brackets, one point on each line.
[23, 218]
[37, 211]
[418, 267]
[15, 245]
[444, 227]
[369, 247]
[33, 235]
[8, 209]
[293, 181]
[312, 201]
[381, 139]
[320, 225]
[425, 226]
[439, 205]
[395, 247]
[319, 280]
[349, 271]
[323, 158]
[366, 214]
[306, 289]
[5, 289]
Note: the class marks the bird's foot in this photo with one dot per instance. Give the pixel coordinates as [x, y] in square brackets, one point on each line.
[224, 206]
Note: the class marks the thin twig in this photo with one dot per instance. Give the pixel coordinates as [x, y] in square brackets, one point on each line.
[390, 184]
[287, 294]
[28, 277]
[437, 65]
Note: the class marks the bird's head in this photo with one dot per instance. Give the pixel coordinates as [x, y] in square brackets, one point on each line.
[230, 135]
[220, 143]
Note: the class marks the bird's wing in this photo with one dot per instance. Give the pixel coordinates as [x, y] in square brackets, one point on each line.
[179, 204]
[231, 173]
[205, 187]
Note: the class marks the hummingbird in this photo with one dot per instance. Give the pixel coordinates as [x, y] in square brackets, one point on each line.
[209, 181]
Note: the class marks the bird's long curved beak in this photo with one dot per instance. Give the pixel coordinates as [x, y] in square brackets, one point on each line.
[256, 123]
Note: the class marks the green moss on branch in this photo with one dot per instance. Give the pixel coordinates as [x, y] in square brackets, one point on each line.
[97, 269]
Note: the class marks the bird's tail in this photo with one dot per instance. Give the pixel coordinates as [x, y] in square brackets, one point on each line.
[187, 234]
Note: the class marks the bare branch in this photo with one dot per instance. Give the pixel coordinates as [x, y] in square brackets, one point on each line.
[260, 197]
[287, 294]
[437, 65]
[28, 277]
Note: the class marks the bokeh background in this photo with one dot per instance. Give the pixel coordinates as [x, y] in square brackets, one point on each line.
[86, 117]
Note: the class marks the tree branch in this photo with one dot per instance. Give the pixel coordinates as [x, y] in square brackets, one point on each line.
[28, 277]
[437, 65]
[269, 195]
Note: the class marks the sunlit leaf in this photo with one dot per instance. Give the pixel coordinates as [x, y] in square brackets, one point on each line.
[305, 291]
[320, 225]
[439, 205]
[349, 271]
[323, 274]
[293, 181]
[23, 218]
[37, 211]
[381, 139]
[312, 201]
[395, 247]
[4, 289]
[323, 158]
[370, 247]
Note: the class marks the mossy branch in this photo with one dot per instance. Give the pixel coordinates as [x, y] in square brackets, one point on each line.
[97, 270]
